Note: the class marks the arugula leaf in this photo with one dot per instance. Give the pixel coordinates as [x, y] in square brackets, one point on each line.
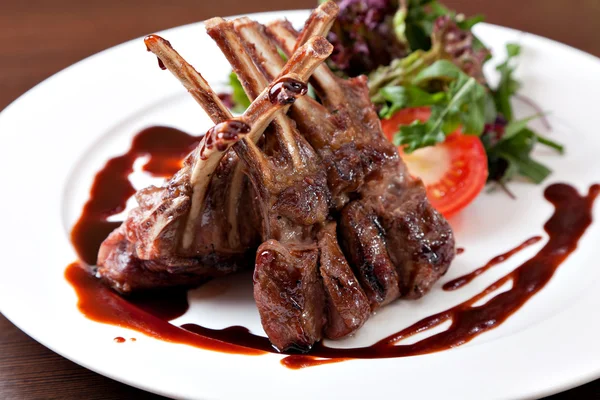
[417, 135]
[550, 143]
[508, 85]
[241, 101]
[514, 127]
[442, 69]
[515, 153]
[419, 24]
[462, 104]
[399, 97]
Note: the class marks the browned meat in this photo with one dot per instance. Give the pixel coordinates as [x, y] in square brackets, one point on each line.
[289, 295]
[184, 227]
[128, 272]
[284, 180]
[363, 240]
[418, 240]
[348, 306]
[293, 199]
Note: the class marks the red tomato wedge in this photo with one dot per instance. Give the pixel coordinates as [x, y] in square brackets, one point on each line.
[454, 172]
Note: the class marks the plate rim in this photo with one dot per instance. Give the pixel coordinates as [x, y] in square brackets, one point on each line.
[277, 13]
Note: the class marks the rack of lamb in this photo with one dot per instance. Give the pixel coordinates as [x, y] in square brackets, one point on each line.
[307, 192]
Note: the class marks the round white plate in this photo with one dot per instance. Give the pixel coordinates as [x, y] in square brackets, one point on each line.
[56, 136]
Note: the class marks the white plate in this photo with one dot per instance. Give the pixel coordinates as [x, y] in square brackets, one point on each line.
[58, 134]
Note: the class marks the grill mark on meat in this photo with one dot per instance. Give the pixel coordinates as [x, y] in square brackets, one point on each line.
[419, 240]
[348, 306]
[366, 250]
[289, 295]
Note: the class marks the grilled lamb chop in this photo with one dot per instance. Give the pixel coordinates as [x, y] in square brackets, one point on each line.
[177, 234]
[398, 244]
[347, 305]
[294, 201]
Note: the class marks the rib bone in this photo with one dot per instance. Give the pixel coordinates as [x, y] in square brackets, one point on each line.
[189, 77]
[252, 80]
[267, 170]
[319, 22]
[256, 118]
[325, 81]
[216, 110]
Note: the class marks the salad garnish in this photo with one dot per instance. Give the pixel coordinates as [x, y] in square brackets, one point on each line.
[424, 62]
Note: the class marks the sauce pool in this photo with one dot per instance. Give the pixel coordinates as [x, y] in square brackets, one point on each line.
[166, 148]
[150, 313]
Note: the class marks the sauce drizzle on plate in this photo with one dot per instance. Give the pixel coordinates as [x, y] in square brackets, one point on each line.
[167, 146]
[463, 280]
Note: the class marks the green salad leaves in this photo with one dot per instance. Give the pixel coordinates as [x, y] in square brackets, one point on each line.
[461, 103]
[450, 82]
[419, 53]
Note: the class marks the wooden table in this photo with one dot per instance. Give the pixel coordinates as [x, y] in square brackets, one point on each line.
[41, 37]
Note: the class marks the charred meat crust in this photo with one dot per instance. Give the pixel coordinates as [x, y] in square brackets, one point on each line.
[289, 295]
[324, 162]
[364, 242]
[347, 305]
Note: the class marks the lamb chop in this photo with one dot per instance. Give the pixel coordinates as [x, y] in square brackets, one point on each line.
[289, 266]
[178, 234]
[397, 243]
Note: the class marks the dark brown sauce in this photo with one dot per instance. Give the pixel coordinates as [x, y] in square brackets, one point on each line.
[286, 90]
[166, 304]
[463, 280]
[222, 134]
[119, 339]
[572, 216]
[303, 361]
[460, 250]
[99, 303]
[166, 148]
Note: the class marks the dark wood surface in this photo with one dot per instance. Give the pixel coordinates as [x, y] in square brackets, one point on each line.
[40, 38]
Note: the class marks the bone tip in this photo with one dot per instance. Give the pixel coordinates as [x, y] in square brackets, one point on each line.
[242, 22]
[320, 46]
[153, 41]
[213, 22]
[278, 23]
[329, 8]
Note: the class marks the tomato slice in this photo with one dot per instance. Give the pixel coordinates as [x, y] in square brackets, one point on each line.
[454, 172]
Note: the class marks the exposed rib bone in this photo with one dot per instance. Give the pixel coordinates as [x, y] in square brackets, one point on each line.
[216, 110]
[262, 50]
[324, 80]
[263, 109]
[319, 22]
[308, 113]
[256, 118]
[252, 80]
[189, 77]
